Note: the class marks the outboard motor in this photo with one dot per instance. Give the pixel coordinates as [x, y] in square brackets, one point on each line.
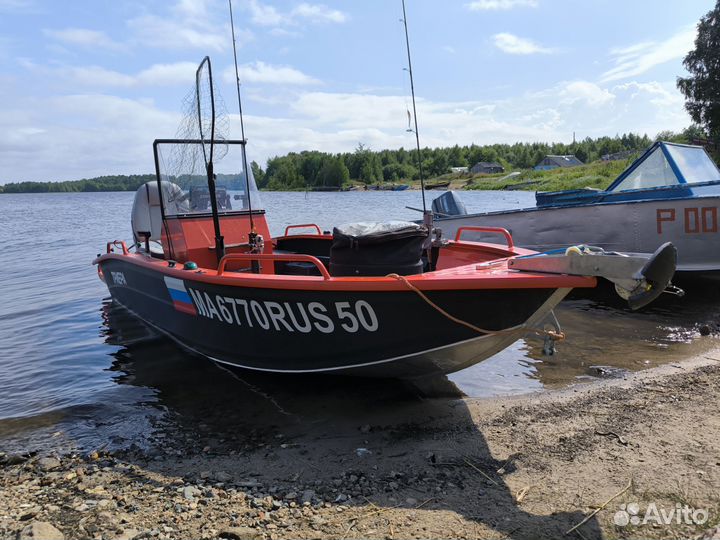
[449, 204]
[146, 217]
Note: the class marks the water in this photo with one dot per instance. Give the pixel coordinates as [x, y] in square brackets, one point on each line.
[77, 371]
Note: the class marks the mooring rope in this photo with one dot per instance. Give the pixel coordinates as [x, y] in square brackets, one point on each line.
[555, 336]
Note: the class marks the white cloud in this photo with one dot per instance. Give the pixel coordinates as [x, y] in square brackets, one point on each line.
[262, 73]
[496, 5]
[587, 92]
[642, 57]
[81, 132]
[162, 33]
[179, 73]
[265, 15]
[268, 15]
[189, 24]
[664, 96]
[513, 44]
[319, 13]
[83, 37]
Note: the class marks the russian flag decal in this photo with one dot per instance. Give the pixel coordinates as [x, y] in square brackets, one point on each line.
[180, 297]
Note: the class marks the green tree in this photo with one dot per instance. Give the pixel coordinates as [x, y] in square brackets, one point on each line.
[333, 173]
[258, 174]
[702, 87]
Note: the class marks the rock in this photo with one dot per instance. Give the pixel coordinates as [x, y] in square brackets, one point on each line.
[711, 534]
[222, 476]
[411, 502]
[608, 372]
[48, 463]
[29, 513]
[365, 428]
[291, 495]
[40, 530]
[190, 492]
[240, 533]
[307, 496]
[12, 459]
[128, 534]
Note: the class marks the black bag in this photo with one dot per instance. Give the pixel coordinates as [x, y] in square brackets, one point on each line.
[377, 249]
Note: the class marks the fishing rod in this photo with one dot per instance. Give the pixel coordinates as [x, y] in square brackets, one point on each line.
[242, 128]
[412, 91]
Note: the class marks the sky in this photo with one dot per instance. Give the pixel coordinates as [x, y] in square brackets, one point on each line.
[87, 85]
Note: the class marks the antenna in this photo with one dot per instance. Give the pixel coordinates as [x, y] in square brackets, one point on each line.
[412, 91]
[252, 234]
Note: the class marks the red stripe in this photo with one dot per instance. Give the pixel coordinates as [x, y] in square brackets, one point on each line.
[461, 278]
[185, 308]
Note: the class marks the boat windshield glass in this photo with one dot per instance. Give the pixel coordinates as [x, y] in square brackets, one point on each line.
[182, 166]
[654, 171]
[694, 163]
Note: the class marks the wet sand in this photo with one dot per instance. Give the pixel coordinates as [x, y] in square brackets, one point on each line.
[529, 466]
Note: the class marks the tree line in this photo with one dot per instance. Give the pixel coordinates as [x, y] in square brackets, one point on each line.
[309, 169]
[298, 170]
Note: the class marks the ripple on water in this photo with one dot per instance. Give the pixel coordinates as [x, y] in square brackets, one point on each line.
[80, 372]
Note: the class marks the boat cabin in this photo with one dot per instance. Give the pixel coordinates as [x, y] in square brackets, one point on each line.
[664, 171]
[172, 218]
[177, 218]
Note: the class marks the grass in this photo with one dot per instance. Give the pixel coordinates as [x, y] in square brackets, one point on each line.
[598, 174]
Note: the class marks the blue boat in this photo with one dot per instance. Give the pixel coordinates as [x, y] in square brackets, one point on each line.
[671, 193]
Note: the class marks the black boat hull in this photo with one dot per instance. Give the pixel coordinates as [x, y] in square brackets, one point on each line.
[389, 333]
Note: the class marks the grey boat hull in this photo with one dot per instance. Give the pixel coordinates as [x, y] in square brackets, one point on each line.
[692, 225]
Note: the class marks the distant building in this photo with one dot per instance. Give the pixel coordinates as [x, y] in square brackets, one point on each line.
[485, 167]
[553, 162]
[458, 169]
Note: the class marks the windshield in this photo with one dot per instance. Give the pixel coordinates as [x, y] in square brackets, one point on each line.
[694, 164]
[656, 170]
[181, 166]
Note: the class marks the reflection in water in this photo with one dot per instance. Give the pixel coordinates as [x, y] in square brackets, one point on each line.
[197, 390]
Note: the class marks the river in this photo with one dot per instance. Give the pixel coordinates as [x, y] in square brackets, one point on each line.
[78, 369]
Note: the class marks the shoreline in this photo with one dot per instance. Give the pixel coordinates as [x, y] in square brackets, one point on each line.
[528, 466]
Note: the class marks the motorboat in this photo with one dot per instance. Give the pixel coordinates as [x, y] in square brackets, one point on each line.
[390, 299]
[671, 193]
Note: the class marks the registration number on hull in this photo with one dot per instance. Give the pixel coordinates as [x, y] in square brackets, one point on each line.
[303, 317]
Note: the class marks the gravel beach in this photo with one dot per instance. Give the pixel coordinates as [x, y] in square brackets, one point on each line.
[533, 466]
